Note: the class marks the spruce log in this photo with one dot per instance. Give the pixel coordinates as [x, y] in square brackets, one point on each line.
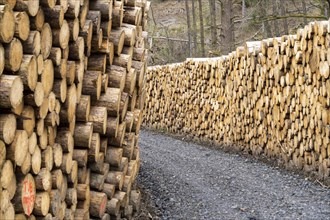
[87, 33]
[109, 189]
[112, 126]
[97, 181]
[115, 178]
[117, 36]
[83, 134]
[123, 106]
[117, 77]
[7, 24]
[119, 139]
[18, 149]
[61, 35]
[38, 21]
[98, 204]
[27, 121]
[13, 55]
[76, 49]
[94, 150]
[117, 14]
[98, 115]
[97, 62]
[110, 100]
[105, 8]
[81, 156]
[36, 161]
[122, 197]
[130, 81]
[22, 25]
[83, 108]
[25, 195]
[57, 155]
[113, 207]
[57, 178]
[92, 84]
[129, 119]
[65, 139]
[74, 28]
[114, 156]
[47, 76]
[123, 60]
[73, 9]
[30, 6]
[83, 191]
[66, 163]
[56, 55]
[60, 89]
[41, 204]
[130, 35]
[33, 43]
[7, 174]
[7, 128]
[80, 71]
[95, 17]
[55, 16]
[70, 72]
[46, 40]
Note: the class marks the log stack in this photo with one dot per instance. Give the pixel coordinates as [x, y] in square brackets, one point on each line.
[71, 103]
[268, 97]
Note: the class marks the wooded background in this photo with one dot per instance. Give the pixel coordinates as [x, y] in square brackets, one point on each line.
[199, 28]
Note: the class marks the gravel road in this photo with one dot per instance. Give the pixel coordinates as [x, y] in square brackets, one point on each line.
[188, 181]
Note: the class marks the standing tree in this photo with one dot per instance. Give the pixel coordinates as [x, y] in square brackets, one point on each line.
[189, 27]
[275, 23]
[283, 12]
[194, 32]
[201, 21]
[304, 8]
[227, 27]
[213, 24]
[265, 23]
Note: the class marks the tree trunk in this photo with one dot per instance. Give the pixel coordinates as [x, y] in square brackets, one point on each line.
[189, 27]
[213, 24]
[285, 21]
[227, 35]
[201, 21]
[304, 8]
[243, 8]
[275, 22]
[263, 11]
[194, 31]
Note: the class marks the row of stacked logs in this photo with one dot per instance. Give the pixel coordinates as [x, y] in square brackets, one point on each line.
[71, 103]
[270, 97]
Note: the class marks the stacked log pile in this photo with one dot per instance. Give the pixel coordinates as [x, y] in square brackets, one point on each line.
[71, 103]
[269, 97]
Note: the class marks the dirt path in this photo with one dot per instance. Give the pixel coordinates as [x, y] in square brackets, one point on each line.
[188, 181]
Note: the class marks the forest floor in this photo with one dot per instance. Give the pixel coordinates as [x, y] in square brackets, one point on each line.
[185, 180]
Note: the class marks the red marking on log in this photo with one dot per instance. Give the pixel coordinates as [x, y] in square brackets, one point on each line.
[28, 197]
[103, 205]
